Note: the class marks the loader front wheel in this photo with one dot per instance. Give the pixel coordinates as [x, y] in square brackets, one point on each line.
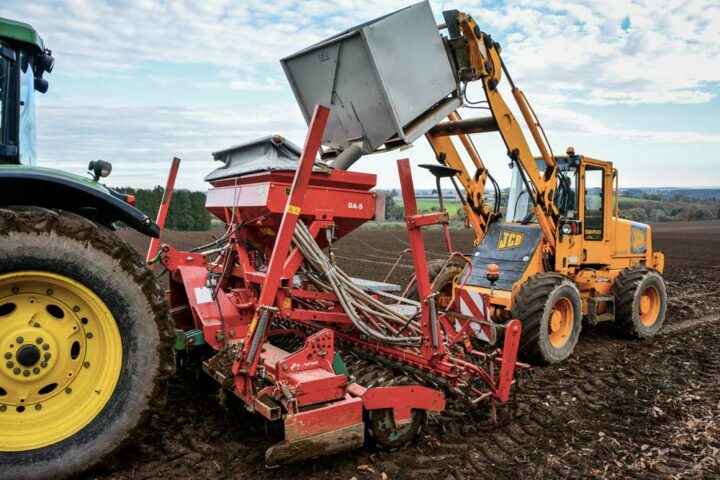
[549, 307]
[442, 275]
[85, 340]
[640, 302]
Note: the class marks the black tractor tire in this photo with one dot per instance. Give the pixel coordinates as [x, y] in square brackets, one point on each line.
[628, 291]
[534, 305]
[64, 244]
[444, 282]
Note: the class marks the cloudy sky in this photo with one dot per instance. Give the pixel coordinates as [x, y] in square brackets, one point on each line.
[139, 81]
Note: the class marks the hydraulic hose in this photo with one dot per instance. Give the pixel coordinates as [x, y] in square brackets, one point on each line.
[327, 277]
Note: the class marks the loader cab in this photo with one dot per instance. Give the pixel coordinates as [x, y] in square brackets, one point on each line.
[23, 61]
[584, 198]
[520, 204]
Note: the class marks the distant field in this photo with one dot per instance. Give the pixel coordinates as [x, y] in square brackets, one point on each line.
[427, 204]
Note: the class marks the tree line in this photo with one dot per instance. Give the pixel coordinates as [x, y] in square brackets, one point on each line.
[187, 208]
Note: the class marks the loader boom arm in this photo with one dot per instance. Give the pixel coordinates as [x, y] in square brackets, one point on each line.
[477, 57]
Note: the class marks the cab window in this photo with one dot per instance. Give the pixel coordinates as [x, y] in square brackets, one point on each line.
[4, 67]
[594, 195]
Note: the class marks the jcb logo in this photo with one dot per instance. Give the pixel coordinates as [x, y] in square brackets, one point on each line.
[510, 240]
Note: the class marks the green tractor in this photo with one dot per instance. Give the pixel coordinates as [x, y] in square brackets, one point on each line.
[85, 333]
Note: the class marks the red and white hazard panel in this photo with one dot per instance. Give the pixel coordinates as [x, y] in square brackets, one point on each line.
[472, 304]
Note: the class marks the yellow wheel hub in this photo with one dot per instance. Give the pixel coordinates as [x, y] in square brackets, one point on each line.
[61, 356]
[649, 306]
[560, 323]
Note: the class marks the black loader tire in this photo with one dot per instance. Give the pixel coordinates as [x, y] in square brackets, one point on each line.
[65, 244]
[533, 306]
[442, 283]
[628, 290]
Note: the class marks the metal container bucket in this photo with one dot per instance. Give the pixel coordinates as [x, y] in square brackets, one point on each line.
[386, 81]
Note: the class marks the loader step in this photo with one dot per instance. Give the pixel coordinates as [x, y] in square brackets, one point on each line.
[593, 316]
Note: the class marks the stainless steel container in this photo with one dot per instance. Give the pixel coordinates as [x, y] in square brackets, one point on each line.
[386, 81]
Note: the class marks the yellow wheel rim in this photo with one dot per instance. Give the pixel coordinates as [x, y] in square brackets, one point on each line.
[561, 321]
[61, 358]
[649, 306]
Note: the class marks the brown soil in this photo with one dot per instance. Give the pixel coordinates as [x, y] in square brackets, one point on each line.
[617, 409]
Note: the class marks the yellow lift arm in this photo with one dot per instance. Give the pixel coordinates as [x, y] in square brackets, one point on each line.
[480, 60]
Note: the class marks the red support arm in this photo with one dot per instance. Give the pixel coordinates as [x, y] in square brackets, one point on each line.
[164, 207]
[263, 315]
[431, 328]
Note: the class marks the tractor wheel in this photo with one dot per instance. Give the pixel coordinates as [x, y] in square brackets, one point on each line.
[640, 302]
[550, 310]
[85, 343]
[382, 427]
[443, 283]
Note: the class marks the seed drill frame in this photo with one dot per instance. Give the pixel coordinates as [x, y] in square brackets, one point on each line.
[255, 291]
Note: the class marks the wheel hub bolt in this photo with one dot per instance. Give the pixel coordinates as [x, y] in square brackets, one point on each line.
[38, 406]
[15, 289]
[16, 371]
[49, 291]
[8, 355]
[68, 390]
[26, 373]
[38, 340]
[89, 335]
[3, 408]
[86, 364]
[19, 339]
[44, 364]
[46, 347]
[36, 370]
[10, 364]
[47, 355]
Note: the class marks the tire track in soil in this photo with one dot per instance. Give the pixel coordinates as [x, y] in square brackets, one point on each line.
[617, 409]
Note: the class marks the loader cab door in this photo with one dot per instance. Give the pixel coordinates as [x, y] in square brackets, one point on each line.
[595, 208]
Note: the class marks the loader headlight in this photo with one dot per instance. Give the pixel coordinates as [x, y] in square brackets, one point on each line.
[100, 168]
[566, 229]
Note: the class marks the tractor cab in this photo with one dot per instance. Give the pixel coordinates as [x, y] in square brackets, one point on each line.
[23, 62]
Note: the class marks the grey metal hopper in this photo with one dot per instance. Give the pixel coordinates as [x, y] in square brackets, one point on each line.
[269, 153]
[386, 82]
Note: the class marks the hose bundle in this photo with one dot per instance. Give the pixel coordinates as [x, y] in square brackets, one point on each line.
[378, 320]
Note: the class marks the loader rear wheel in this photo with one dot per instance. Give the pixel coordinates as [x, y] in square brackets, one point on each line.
[86, 329]
[549, 307]
[387, 433]
[640, 302]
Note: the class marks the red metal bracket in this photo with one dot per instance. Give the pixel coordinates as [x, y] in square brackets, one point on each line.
[164, 207]
[509, 357]
[402, 400]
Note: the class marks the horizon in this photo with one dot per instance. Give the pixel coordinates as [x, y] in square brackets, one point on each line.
[620, 81]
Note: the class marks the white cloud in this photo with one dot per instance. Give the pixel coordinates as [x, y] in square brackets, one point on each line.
[562, 54]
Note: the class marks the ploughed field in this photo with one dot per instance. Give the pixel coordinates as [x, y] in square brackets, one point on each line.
[618, 409]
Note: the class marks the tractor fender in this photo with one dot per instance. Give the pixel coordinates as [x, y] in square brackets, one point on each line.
[49, 188]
